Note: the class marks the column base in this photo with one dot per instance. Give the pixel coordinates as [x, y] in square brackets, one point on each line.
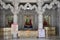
[14, 36]
[41, 33]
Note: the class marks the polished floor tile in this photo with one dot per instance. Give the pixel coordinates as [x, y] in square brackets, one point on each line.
[50, 38]
[47, 38]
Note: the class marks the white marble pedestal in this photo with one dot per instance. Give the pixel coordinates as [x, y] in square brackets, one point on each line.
[14, 30]
[41, 33]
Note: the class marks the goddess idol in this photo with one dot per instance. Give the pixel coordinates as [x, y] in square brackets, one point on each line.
[28, 22]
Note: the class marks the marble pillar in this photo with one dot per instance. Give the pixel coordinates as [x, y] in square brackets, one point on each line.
[41, 31]
[59, 20]
[40, 21]
[15, 18]
[14, 26]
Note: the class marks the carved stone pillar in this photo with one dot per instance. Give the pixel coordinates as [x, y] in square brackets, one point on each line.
[58, 20]
[41, 31]
[14, 26]
[40, 21]
[15, 18]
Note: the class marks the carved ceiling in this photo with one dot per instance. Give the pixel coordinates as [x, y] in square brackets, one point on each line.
[39, 5]
[20, 0]
[28, 0]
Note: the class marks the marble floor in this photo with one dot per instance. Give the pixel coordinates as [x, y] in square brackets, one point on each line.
[48, 38]
[9, 37]
[33, 39]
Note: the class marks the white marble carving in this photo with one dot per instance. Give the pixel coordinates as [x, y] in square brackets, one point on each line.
[28, 4]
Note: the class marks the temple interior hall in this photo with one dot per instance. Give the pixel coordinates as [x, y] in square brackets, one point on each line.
[29, 19]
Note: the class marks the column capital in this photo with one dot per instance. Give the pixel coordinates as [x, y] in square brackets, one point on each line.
[15, 12]
[40, 12]
[40, 2]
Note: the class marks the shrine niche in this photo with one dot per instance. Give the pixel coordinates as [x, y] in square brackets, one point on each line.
[9, 20]
[28, 23]
[46, 21]
[28, 20]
